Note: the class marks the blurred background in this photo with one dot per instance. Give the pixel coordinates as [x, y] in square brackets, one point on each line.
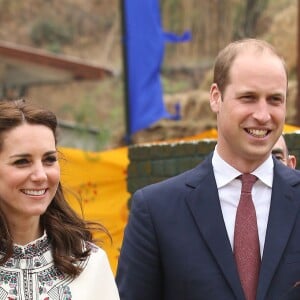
[91, 31]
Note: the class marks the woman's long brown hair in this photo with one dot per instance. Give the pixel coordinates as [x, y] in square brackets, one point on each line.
[65, 229]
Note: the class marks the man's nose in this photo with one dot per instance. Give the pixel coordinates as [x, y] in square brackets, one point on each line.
[262, 111]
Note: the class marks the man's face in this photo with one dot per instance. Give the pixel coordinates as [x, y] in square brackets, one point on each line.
[251, 111]
[280, 151]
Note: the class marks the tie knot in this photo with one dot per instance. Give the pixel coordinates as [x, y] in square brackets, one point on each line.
[247, 182]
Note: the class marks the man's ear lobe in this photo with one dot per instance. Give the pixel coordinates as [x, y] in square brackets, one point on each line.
[215, 97]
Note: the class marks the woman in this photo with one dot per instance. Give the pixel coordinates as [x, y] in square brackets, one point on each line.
[47, 251]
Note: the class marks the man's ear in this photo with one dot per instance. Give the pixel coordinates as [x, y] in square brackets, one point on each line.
[292, 161]
[215, 97]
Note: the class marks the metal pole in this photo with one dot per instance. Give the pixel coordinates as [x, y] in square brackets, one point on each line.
[127, 138]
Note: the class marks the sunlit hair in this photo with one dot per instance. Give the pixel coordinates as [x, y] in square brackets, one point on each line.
[226, 57]
[65, 230]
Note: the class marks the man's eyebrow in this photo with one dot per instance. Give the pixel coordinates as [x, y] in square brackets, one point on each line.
[277, 150]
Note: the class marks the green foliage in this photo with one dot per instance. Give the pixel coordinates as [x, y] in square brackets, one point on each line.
[293, 74]
[88, 125]
[97, 119]
[173, 19]
[246, 17]
[49, 33]
[175, 86]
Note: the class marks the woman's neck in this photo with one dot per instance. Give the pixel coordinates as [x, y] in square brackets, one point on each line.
[23, 234]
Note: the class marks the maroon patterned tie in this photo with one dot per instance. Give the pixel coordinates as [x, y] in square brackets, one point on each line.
[246, 242]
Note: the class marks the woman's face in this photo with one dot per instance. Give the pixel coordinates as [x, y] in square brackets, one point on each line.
[29, 172]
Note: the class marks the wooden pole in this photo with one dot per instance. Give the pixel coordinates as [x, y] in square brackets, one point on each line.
[127, 138]
[297, 115]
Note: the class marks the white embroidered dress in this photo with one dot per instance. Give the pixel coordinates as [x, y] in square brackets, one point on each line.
[31, 275]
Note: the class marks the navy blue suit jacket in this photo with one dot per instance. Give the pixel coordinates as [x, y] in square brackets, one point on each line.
[176, 246]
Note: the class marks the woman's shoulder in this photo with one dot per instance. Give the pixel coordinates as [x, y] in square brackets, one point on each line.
[95, 251]
[97, 262]
[96, 280]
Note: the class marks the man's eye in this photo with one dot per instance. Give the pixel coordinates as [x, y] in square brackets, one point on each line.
[278, 100]
[247, 97]
[279, 157]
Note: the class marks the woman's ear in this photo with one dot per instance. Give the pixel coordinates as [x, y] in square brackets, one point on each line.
[215, 97]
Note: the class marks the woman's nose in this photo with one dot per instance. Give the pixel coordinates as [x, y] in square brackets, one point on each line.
[38, 173]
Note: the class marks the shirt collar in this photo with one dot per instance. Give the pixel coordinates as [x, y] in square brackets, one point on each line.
[225, 173]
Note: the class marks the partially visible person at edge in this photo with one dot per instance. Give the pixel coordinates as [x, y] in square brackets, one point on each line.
[46, 250]
[179, 242]
[281, 152]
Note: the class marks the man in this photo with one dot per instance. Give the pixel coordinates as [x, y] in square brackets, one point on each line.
[280, 151]
[183, 238]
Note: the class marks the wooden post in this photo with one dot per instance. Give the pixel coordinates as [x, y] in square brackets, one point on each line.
[127, 137]
[297, 116]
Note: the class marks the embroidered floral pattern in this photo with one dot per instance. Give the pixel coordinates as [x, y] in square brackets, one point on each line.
[67, 293]
[50, 275]
[32, 267]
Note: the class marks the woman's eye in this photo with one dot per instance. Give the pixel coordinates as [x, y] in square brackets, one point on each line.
[20, 162]
[51, 159]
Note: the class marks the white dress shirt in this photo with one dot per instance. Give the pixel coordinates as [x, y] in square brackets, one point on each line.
[229, 189]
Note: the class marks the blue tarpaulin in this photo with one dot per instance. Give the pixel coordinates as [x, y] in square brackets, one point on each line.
[144, 42]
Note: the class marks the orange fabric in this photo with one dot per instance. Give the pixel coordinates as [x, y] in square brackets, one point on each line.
[100, 181]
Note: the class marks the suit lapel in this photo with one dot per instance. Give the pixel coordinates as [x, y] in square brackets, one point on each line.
[205, 207]
[282, 217]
